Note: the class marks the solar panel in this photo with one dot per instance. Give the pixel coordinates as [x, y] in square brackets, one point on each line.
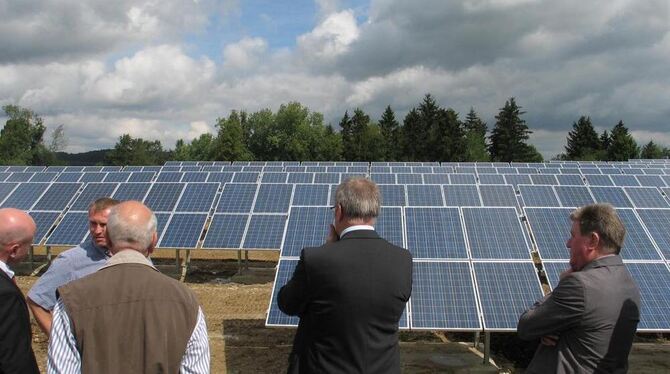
[462, 178]
[169, 176]
[435, 233]
[436, 179]
[646, 197]
[612, 195]
[307, 227]
[273, 198]
[141, 176]
[301, 177]
[119, 176]
[498, 195]
[285, 269]
[385, 178]
[131, 191]
[4, 175]
[71, 230]
[461, 195]
[573, 196]
[197, 197]
[389, 225]
[543, 179]
[274, 177]
[329, 178]
[598, 180]
[25, 195]
[20, 177]
[653, 280]
[624, 180]
[265, 231]
[310, 194]
[194, 176]
[92, 192]
[650, 180]
[422, 169]
[637, 245]
[506, 290]
[220, 177]
[183, 230]
[245, 177]
[44, 221]
[424, 195]
[92, 177]
[57, 196]
[538, 195]
[409, 178]
[517, 179]
[657, 222]
[43, 177]
[6, 189]
[226, 231]
[495, 233]
[551, 230]
[392, 194]
[163, 196]
[443, 297]
[237, 198]
[570, 179]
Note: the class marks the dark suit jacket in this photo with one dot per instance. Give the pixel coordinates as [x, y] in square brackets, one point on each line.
[594, 312]
[16, 350]
[349, 296]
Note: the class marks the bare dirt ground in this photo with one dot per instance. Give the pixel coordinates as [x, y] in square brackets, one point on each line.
[235, 305]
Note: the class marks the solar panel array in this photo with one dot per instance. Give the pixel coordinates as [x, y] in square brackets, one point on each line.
[472, 228]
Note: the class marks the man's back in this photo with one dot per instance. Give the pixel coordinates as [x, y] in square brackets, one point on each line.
[605, 302]
[357, 291]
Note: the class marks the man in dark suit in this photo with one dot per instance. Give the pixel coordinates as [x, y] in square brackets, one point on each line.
[349, 293]
[587, 324]
[17, 229]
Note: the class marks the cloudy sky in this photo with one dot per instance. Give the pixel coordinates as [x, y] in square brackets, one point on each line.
[168, 69]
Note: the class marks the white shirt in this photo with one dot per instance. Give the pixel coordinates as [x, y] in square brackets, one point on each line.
[355, 228]
[6, 269]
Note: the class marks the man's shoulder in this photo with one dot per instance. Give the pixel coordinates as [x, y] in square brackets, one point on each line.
[76, 252]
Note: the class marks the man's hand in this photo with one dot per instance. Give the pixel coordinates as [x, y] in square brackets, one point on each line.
[549, 340]
[332, 235]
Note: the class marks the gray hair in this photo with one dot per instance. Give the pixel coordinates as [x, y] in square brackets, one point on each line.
[359, 198]
[602, 219]
[124, 233]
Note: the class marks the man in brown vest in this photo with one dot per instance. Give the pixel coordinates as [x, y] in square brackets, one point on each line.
[127, 317]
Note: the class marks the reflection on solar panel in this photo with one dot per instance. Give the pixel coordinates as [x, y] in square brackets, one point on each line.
[131, 191]
[637, 245]
[392, 194]
[435, 233]
[265, 231]
[197, 197]
[495, 233]
[44, 221]
[389, 225]
[226, 231]
[573, 196]
[183, 231]
[498, 195]
[538, 195]
[461, 195]
[443, 297]
[506, 290]
[237, 198]
[646, 197]
[657, 222]
[92, 192]
[653, 279]
[612, 195]
[6, 189]
[310, 194]
[275, 317]
[624, 180]
[551, 230]
[424, 195]
[71, 230]
[307, 227]
[163, 196]
[24, 195]
[273, 198]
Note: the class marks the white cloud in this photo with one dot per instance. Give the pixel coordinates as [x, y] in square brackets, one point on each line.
[245, 54]
[331, 37]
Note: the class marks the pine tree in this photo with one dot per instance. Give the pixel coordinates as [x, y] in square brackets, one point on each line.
[410, 136]
[622, 145]
[359, 128]
[475, 138]
[346, 132]
[447, 140]
[582, 141]
[651, 150]
[508, 138]
[390, 132]
[230, 144]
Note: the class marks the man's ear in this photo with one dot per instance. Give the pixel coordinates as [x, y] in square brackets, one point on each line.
[13, 250]
[154, 241]
[594, 240]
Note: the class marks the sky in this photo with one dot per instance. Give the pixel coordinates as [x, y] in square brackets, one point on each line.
[168, 69]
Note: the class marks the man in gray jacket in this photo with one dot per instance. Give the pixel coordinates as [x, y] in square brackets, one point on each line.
[587, 324]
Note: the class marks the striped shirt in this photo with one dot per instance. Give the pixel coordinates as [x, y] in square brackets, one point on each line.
[64, 358]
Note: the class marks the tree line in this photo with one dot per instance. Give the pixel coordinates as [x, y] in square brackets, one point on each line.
[428, 132]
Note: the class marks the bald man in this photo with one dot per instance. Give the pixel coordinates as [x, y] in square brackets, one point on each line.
[17, 229]
[127, 317]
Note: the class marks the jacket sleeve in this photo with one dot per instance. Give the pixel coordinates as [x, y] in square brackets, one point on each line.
[16, 353]
[292, 298]
[559, 311]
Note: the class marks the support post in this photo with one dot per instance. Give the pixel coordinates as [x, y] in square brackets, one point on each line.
[184, 268]
[177, 261]
[239, 260]
[475, 343]
[487, 347]
[246, 260]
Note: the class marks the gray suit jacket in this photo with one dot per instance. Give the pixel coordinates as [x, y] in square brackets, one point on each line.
[594, 312]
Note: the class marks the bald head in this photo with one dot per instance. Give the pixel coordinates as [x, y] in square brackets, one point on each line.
[131, 225]
[17, 230]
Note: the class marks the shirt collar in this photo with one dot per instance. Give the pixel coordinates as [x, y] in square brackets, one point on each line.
[6, 269]
[355, 228]
[103, 251]
[128, 256]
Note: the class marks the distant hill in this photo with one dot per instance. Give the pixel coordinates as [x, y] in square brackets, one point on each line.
[83, 159]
